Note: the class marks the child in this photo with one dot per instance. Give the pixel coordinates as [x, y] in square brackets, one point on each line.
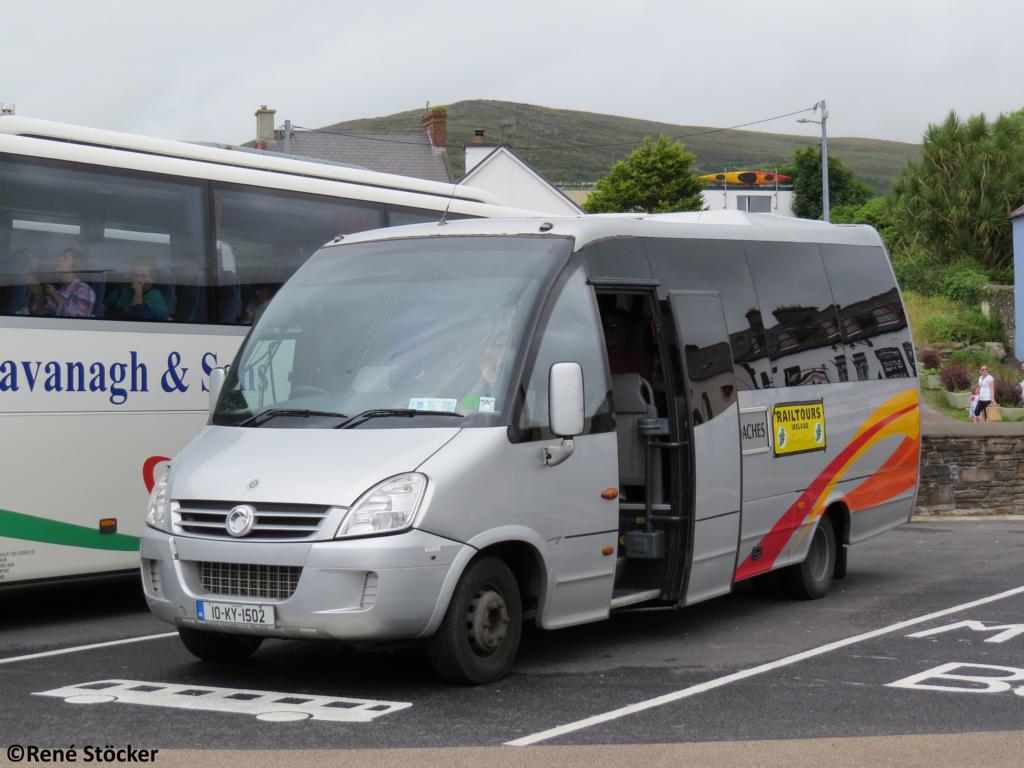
[974, 404]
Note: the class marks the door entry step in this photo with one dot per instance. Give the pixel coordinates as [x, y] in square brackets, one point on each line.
[622, 598]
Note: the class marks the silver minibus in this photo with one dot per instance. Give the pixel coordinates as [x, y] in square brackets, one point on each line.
[439, 432]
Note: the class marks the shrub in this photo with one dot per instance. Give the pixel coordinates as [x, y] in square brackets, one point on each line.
[955, 377]
[966, 326]
[1001, 275]
[929, 358]
[963, 282]
[973, 359]
[917, 272]
[1007, 392]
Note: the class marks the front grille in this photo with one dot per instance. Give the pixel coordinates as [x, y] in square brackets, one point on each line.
[273, 520]
[270, 582]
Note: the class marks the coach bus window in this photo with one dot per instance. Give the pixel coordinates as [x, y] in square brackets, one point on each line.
[263, 236]
[871, 317]
[718, 265]
[798, 311]
[111, 221]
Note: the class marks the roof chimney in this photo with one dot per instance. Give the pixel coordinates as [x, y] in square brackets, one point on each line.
[435, 123]
[477, 151]
[264, 126]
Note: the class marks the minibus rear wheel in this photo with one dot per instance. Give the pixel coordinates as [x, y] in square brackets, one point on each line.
[812, 578]
[479, 636]
[218, 646]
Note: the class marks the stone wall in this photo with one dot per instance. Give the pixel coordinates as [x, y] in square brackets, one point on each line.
[972, 474]
[998, 300]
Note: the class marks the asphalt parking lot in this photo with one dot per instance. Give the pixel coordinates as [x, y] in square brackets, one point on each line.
[925, 636]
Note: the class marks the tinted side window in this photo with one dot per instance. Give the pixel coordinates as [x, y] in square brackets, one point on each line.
[74, 240]
[799, 314]
[871, 317]
[572, 334]
[263, 236]
[709, 366]
[617, 257]
[720, 266]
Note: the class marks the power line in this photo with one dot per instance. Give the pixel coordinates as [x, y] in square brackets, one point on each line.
[677, 136]
[566, 146]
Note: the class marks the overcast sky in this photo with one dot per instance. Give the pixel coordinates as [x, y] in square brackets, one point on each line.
[198, 70]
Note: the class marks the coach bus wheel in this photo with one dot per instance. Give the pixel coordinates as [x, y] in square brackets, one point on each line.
[218, 646]
[478, 638]
[812, 578]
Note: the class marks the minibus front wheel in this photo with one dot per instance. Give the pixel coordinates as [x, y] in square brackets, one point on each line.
[479, 636]
[218, 646]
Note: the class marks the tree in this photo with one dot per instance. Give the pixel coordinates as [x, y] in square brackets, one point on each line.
[656, 177]
[844, 188]
[874, 212]
[955, 203]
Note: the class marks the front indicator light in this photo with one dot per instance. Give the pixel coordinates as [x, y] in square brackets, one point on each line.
[159, 513]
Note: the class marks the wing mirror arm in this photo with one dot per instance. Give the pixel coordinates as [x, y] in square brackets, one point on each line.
[556, 454]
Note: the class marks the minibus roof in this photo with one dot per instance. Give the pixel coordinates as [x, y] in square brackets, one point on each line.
[720, 225]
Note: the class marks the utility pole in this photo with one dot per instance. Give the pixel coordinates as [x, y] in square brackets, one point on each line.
[287, 137]
[824, 156]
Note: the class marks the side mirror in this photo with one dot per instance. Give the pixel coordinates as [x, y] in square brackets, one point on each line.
[217, 376]
[565, 399]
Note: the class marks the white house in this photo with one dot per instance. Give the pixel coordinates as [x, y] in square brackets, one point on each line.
[502, 172]
[753, 199]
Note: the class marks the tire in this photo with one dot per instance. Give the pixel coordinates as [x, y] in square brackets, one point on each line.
[479, 636]
[812, 578]
[218, 646]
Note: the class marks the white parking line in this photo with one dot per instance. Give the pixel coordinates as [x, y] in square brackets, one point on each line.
[272, 706]
[91, 646]
[719, 682]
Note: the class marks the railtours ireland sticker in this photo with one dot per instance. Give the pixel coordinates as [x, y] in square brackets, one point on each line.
[798, 427]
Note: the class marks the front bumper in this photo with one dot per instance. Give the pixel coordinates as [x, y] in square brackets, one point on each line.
[335, 596]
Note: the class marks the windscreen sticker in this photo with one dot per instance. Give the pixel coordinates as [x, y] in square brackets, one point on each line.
[798, 427]
[486, 405]
[446, 404]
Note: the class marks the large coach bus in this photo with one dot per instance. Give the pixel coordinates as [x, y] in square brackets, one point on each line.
[129, 268]
[438, 434]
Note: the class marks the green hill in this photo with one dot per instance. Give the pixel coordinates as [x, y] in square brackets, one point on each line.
[571, 147]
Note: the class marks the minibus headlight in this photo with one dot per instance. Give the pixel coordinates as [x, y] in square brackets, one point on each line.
[159, 513]
[388, 506]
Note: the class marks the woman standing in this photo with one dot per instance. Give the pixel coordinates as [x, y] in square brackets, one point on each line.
[986, 392]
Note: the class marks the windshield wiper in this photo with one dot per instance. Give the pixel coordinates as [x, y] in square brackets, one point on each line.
[374, 413]
[273, 413]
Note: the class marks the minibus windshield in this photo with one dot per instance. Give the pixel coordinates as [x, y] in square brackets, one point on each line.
[398, 333]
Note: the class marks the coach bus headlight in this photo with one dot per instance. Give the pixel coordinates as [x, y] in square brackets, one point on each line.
[159, 513]
[388, 506]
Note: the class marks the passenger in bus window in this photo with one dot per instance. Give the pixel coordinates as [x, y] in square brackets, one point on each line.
[74, 298]
[141, 300]
[261, 296]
